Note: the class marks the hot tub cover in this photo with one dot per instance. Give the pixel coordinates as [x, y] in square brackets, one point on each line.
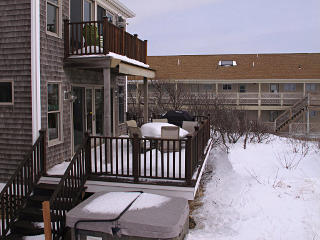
[150, 216]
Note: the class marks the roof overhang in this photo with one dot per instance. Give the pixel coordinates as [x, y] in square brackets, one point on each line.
[103, 61]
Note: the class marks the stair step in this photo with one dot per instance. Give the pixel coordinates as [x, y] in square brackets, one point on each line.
[27, 228]
[36, 200]
[13, 236]
[45, 189]
[34, 214]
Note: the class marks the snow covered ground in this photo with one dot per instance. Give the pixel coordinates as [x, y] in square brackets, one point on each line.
[267, 191]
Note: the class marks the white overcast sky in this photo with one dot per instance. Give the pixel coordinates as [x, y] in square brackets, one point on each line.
[181, 27]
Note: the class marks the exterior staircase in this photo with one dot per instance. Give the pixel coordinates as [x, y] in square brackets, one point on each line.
[30, 219]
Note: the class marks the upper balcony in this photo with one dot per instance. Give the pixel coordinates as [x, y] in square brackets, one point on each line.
[101, 38]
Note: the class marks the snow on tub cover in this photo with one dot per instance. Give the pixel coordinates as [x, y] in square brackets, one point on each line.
[154, 129]
[150, 215]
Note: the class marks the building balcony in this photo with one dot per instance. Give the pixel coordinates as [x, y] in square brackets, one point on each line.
[102, 38]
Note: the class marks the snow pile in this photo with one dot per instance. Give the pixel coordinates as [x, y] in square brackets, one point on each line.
[128, 60]
[111, 203]
[154, 129]
[267, 191]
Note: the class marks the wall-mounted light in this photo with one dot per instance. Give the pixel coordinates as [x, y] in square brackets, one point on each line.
[68, 96]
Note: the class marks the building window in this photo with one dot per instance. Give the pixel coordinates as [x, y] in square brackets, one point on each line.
[226, 86]
[289, 87]
[121, 103]
[273, 115]
[54, 112]
[242, 88]
[227, 63]
[311, 87]
[6, 93]
[53, 16]
[313, 113]
[274, 88]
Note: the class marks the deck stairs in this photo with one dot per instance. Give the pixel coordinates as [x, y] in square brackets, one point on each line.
[30, 220]
[292, 113]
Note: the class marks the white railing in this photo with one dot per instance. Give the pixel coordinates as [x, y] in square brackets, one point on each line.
[301, 129]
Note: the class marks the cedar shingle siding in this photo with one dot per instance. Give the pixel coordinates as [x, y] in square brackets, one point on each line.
[15, 64]
[51, 60]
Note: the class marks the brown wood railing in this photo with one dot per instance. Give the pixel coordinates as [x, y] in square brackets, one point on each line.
[70, 188]
[14, 195]
[102, 37]
[149, 159]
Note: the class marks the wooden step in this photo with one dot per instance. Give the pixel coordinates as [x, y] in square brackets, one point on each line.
[26, 228]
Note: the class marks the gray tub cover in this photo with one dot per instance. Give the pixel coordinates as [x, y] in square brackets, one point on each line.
[164, 221]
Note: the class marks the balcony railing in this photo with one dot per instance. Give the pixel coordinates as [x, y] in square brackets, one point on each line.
[102, 37]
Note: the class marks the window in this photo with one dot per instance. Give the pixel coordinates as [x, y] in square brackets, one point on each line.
[273, 115]
[226, 86]
[274, 88]
[53, 16]
[6, 93]
[87, 10]
[311, 87]
[313, 113]
[242, 88]
[54, 112]
[227, 63]
[121, 103]
[289, 87]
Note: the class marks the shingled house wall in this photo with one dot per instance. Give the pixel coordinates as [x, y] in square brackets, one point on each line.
[15, 65]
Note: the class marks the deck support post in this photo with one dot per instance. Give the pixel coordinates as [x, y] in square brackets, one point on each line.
[146, 99]
[308, 121]
[135, 154]
[107, 102]
[88, 153]
[188, 164]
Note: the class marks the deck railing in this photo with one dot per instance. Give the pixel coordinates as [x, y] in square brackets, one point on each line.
[102, 37]
[240, 99]
[20, 186]
[149, 159]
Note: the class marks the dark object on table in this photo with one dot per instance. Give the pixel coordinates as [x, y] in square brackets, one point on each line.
[177, 117]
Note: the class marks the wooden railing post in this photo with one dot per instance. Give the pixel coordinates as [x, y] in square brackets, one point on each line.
[123, 40]
[105, 35]
[145, 51]
[88, 152]
[66, 38]
[135, 154]
[135, 46]
[43, 151]
[189, 160]
[46, 220]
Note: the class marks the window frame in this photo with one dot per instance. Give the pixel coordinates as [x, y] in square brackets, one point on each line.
[309, 88]
[12, 93]
[244, 89]
[227, 88]
[57, 34]
[58, 140]
[289, 84]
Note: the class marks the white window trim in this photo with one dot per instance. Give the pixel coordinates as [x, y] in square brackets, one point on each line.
[59, 24]
[12, 89]
[58, 140]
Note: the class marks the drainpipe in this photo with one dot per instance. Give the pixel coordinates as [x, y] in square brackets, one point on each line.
[35, 69]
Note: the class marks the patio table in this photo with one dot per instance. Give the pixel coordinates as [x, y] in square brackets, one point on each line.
[154, 130]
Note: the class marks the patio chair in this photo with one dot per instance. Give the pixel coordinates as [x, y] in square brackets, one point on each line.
[170, 132]
[189, 126]
[162, 120]
[137, 131]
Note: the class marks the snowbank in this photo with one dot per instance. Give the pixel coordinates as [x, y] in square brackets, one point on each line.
[268, 191]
